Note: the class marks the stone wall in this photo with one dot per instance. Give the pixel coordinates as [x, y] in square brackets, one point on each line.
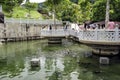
[16, 30]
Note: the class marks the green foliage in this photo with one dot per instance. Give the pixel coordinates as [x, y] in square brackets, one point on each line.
[115, 10]
[71, 14]
[8, 5]
[99, 10]
[12, 8]
[93, 10]
[86, 9]
[20, 12]
[30, 6]
[68, 10]
[52, 4]
[75, 1]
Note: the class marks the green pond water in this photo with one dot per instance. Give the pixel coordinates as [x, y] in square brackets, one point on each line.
[57, 62]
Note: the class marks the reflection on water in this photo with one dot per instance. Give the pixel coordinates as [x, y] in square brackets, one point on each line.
[57, 62]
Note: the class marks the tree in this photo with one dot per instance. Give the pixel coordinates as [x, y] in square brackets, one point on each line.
[114, 10]
[8, 5]
[99, 8]
[86, 9]
[53, 4]
[29, 6]
[72, 13]
[75, 1]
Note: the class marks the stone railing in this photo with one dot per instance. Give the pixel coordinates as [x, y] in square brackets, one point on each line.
[32, 21]
[102, 35]
[18, 30]
[54, 33]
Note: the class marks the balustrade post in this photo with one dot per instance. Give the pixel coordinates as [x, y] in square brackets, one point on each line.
[12, 20]
[76, 33]
[34, 21]
[96, 33]
[20, 21]
[28, 21]
[116, 33]
[82, 34]
[5, 31]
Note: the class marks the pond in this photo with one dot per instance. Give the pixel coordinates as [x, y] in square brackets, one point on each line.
[57, 62]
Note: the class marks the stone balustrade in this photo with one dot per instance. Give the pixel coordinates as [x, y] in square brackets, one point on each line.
[102, 35]
[32, 21]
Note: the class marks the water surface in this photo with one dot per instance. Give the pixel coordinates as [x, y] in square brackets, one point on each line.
[57, 62]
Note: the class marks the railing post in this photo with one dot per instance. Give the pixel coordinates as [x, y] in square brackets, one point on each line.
[20, 21]
[12, 20]
[96, 33]
[83, 32]
[33, 21]
[116, 34]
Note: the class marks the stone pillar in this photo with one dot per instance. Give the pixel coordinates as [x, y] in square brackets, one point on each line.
[104, 60]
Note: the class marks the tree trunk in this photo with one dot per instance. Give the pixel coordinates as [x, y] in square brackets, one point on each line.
[107, 13]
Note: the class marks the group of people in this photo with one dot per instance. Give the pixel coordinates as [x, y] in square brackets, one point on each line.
[74, 26]
[111, 25]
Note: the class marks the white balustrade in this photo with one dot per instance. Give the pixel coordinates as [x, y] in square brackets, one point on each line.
[31, 21]
[54, 32]
[102, 35]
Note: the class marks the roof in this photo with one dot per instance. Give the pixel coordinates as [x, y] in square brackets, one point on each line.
[103, 22]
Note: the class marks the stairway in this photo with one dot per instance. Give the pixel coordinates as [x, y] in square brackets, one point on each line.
[54, 40]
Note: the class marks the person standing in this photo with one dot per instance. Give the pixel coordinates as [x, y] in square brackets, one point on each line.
[50, 27]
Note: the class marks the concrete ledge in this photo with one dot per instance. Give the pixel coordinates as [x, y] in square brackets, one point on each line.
[100, 43]
[103, 48]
